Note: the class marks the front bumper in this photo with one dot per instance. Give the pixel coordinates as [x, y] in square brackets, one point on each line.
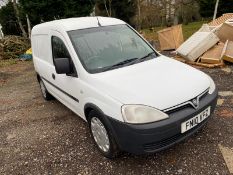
[156, 136]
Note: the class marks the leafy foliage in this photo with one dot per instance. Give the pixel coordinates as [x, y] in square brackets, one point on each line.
[152, 11]
[8, 20]
[207, 7]
[77, 8]
[47, 10]
[122, 9]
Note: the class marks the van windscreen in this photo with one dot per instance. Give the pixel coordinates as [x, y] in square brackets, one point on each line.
[110, 47]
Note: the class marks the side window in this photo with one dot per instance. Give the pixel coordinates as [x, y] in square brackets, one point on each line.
[59, 48]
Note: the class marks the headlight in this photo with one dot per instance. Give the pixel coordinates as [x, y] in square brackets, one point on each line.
[142, 114]
[212, 86]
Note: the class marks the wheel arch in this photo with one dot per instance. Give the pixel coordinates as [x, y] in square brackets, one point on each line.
[38, 77]
[89, 107]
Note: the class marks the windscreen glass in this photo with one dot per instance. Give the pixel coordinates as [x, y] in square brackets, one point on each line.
[105, 48]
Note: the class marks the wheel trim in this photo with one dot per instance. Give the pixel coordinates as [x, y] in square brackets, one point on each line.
[42, 87]
[100, 134]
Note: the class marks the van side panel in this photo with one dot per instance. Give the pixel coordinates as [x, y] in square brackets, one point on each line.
[75, 86]
[41, 47]
[64, 88]
[42, 56]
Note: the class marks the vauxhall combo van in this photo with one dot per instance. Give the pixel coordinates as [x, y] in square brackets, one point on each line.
[133, 98]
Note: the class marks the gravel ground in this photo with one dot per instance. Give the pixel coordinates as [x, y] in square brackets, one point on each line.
[39, 137]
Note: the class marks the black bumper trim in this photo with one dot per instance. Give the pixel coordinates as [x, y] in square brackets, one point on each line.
[156, 136]
[166, 143]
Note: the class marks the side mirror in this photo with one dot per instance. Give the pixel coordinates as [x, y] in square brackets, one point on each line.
[62, 65]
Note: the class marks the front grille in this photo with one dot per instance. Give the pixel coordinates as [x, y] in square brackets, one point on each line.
[161, 144]
[204, 94]
[185, 104]
[179, 108]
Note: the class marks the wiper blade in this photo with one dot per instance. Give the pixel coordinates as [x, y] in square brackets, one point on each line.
[146, 56]
[125, 62]
[129, 61]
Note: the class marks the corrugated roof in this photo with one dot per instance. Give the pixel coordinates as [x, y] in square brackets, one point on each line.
[221, 19]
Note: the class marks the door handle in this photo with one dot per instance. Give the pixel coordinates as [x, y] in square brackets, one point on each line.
[53, 76]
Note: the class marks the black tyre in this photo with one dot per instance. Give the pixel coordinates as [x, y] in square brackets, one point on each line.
[46, 95]
[102, 135]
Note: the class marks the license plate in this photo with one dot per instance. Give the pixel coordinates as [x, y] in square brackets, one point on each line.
[189, 124]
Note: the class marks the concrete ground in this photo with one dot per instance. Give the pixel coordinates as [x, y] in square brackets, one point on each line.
[39, 137]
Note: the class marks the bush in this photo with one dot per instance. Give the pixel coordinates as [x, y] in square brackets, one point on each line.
[12, 46]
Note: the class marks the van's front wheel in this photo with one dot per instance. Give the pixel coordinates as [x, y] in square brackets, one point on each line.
[102, 135]
[46, 95]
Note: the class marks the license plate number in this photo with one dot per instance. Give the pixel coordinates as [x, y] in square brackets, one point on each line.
[189, 124]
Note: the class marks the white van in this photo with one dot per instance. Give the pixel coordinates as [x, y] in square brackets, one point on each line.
[133, 98]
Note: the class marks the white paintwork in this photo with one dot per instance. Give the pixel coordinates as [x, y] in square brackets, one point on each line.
[197, 44]
[64, 25]
[160, 83]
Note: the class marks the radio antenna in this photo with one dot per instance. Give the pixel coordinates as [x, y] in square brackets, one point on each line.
[98, 22]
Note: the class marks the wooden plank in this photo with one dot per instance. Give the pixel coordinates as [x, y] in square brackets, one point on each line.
[228, 55]
[170, 38]
[225, 32]
[166, 39]
[178, 35]
[197, 45]
[179, 58]
[213, 55]
[206, 65]
[205, 28]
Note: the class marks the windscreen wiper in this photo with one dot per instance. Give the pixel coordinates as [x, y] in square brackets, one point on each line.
[121, 63]
[129, 61]
[142, 58]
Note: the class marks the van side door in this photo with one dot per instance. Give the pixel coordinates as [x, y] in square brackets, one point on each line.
[64, 87]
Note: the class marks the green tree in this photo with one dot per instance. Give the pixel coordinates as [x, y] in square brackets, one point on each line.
[122, 9]
[77, 8]
[8, 20]
[42, 10]
[207, 7]
[225, 7]
[47, 10]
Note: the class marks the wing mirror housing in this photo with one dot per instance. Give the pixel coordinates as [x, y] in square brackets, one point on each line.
[62, 66]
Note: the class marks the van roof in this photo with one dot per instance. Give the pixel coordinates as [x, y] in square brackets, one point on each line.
[75, 24]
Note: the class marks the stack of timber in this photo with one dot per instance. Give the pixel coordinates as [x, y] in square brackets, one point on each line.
[210, 46]
[197, 44]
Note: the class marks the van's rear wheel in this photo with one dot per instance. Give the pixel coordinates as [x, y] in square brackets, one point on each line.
[46, 95]
[102, 135]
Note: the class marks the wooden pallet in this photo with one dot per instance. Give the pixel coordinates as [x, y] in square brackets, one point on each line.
[213, 55]
[198, 63]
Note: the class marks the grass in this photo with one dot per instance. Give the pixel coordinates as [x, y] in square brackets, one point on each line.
[191, 28]
[188, 30]
[8, 62]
